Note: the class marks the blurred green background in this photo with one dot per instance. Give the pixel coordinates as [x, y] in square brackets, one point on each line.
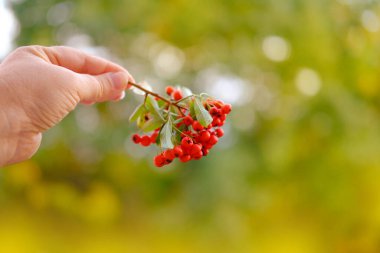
[298, 170]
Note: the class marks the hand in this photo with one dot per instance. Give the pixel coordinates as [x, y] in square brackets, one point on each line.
[39, 86]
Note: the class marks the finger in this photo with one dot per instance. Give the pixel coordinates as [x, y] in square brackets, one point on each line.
[80, 62]
[99, 88]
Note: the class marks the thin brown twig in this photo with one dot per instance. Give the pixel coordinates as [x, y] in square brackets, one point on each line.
[156, 95]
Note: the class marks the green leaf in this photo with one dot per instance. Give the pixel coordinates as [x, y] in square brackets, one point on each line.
[151, 125]
[161, 103]
[186, 92]
[166, 135]
[178, 120]
[152, 106]
[202, 115]
[204, 96]
[141, 120]
[137, 112]
[192, 111]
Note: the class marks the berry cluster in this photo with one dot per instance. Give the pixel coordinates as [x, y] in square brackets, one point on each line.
[190, 124]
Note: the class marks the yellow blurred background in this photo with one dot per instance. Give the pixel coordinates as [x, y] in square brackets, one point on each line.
[297, 172]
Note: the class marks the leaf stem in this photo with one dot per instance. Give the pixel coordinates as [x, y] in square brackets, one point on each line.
[175, 128]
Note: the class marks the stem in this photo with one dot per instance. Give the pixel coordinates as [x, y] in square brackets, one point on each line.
[156, 95]
[179, 101]
[175, 128]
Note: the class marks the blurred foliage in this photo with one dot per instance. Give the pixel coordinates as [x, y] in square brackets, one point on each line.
[298, 170]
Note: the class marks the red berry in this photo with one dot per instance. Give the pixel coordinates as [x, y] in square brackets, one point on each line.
[177, 95]
[136, 138]
[216, 122]
[178, 151]
[159, 160]
[219, 132]
[195, 149]
[197, 126]
[188, 120]
[204, 136]
[213, 140]
[169, 90]
[222, 117]
[187, 142]
[205, 151]
[214, 111]
[185, 158]
[226, 109]
[153, 137]
[169, 154]
[218, 104]
[207, 146]
[145, 141]
[198, 155]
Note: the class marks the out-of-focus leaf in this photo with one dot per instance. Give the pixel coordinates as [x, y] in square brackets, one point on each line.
[152, 106]
[151, 124]
[178, 120]
[166, 135]
[191, 106]
[137, 113]
[202, 115]
[186, 91]
[143, 84]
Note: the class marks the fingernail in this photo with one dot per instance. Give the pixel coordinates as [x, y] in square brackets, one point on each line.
[119, 80]
[122, 95]
[119, 96]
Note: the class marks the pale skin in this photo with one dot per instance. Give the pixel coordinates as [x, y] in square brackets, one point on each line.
[39, 86]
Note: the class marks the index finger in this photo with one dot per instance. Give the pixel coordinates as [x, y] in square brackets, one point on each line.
[78, 61]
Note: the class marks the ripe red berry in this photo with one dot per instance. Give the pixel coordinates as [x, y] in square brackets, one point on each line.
[219, 132]
[145, 141]
[169, 90]
[213, 140]
[159, 160]
[204, 136]
[177, 95]
[198, 155]
[153, 137]
[187, 142]
[185, 158]
[169, 154]
[178, 151]
[195, 149]
[188, 120]
[207, 146]
[197, 126]
[218, 104]
[136, 138]
[205, 151]
[214, 111]
[216, 122]
[226, 109]
[222, 117]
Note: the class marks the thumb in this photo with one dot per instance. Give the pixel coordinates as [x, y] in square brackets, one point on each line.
[99, 88]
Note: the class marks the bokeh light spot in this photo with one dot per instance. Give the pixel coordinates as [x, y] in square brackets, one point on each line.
[308, 82]
[276, 48]
[370, 21]
[8, 29]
